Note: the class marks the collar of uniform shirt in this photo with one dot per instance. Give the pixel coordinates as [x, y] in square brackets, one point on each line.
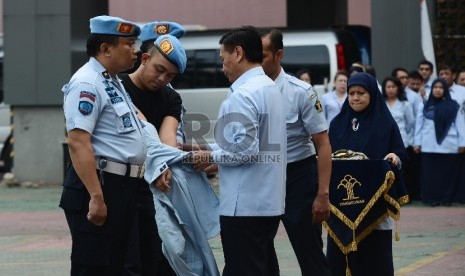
[244, 77]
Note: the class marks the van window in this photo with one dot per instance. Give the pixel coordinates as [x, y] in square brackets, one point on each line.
[204, 69]
[315, 58]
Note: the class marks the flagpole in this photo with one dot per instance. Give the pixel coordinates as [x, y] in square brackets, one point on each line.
[426, 37]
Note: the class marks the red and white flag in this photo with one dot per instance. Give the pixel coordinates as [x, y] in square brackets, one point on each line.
[426, 37]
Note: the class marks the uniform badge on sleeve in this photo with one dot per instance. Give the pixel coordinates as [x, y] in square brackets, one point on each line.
[127, 121]
[87, 95]
[85, 108]
[318, 106]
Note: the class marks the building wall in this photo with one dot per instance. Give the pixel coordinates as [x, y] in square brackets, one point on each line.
[395, 35]
[39, 135]
[359, 12]
[213, 14]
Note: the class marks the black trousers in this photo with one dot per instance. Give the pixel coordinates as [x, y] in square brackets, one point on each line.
[305, 237]
[412, 174]
[128, 242]
[248, 245]
[145, 243]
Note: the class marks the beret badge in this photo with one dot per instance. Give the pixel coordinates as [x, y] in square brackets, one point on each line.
[162, 29]
[166, 46]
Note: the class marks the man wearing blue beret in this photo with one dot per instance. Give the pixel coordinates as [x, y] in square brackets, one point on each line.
[107, 149]
[148, 89]
[159, 103]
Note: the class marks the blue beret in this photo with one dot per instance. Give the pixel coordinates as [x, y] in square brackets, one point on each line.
[172, 49]
[151, 31]
[109, 25]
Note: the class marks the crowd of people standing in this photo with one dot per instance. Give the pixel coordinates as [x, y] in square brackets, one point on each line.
[432, 129]
[136, 198]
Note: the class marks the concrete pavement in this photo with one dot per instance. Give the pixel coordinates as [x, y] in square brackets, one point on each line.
[34, 238]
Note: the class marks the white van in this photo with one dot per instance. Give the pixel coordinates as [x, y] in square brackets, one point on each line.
[203, 85]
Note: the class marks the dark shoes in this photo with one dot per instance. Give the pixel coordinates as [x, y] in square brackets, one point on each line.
[434, 204]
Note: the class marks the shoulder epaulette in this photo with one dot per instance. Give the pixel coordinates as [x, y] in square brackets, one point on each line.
[299, 83]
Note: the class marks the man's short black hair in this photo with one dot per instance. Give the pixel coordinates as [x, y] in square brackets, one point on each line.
[426, 62]
[415, 75]
[276, 38]
[447, 67]
[398, 69]
[96, 40]
[248, 39]
[147, 45]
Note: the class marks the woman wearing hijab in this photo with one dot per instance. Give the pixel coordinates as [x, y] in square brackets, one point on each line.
[366, 125]
[440, 137]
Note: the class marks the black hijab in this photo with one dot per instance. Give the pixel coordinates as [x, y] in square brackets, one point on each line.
[442, 111]
[372, 131]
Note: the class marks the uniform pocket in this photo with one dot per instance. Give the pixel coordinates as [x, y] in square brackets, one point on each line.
[124, 119]
[292, 117]
[91, 243]
[72, 199]
[73, 192]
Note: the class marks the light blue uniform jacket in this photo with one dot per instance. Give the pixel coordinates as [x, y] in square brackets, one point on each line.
[331, 105]
[251, 148]
[425, 135]
[402, 112]
[188, 215]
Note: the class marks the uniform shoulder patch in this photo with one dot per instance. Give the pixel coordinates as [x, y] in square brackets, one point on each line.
[85, 108]
[318, 106]
[127, 121]
[87, 95]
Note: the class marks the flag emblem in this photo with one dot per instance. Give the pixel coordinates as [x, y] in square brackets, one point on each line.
[125, 28]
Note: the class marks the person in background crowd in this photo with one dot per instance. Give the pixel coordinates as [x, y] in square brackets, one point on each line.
[401, 74]
[401, 110]
[440, 137]
[415, 82]
[304, 75]
[397, 103]
[425, 68]
[356, 68]
[461, 78]
[307, 180]
[108, 150]
[332, 101]
[366, 105]
[411, 169]
[457, 93]
[371, 70]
